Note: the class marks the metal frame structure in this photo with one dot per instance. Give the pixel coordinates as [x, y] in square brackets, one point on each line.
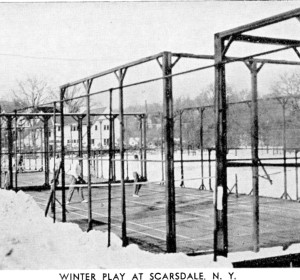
[223, 41]
[282, 100]
[120, 72]
[45, 117]
[166, 63]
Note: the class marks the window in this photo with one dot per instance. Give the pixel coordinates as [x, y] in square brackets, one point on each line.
[106, 141]
[58, 128]
[106, 127]
[49, 133]
[93, 141]
[96, 128]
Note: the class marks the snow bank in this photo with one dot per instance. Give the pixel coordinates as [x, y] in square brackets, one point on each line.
[31, 241]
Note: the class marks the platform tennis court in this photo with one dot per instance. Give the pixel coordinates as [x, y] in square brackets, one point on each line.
[146, 219]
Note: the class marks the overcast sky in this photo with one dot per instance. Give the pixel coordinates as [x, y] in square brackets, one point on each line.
[61, 42]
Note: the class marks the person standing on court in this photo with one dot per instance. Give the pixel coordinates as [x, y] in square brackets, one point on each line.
[75, 172]
[136, 168]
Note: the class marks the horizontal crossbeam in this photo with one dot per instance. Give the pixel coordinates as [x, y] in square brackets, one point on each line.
[110, 71]
[266, 40]
[260, 23]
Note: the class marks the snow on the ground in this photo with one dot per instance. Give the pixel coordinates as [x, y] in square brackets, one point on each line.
[31, 241]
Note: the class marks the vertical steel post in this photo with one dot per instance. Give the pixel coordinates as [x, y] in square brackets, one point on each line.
[127, 171]
[110, 169]
[113, 150]
[181, 149]
[35, 151]
[121, 115]
[285, 194]
[62, 153]
[10, 152]
[145, 145]
[236, 186]
[125, 150]
[220, 207]
[88, 85]
[209, 169]
[162, 148]
[70, 152]
[169, 152]
[16, 151]
[141, 145]
[254, 154]
[202, 186]
[1, 148]
[20, 140]
[46, 149]
[41, 147]
[30, 146]
[121, 75]
[296, 171]
[80, 153]
[53, 208]
[101, 148]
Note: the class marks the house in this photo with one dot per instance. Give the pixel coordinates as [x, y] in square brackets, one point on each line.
[99, 131]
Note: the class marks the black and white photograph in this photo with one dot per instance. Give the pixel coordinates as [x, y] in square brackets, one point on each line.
[146, 136]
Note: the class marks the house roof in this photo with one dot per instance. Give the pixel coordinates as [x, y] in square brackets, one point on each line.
[69, 120]
[94, 111]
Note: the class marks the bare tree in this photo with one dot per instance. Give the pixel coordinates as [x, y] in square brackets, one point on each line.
[73, 103]
[288, 85]
[32, 93]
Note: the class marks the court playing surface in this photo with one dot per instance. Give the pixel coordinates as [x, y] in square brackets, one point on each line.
[146, 218]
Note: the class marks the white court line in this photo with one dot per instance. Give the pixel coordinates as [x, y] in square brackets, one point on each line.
[232, 236]
[263, 211]
[136, 231]
[192, 213]
[240, 203]
[177, 220]
[282, 208]
[196, 214]
[115, 225]
[181, 212]
[61, 212]
[206, 236]
[185, 237]
[142, 233]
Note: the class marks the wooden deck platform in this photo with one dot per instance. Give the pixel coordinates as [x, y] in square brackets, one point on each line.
[146, 220]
